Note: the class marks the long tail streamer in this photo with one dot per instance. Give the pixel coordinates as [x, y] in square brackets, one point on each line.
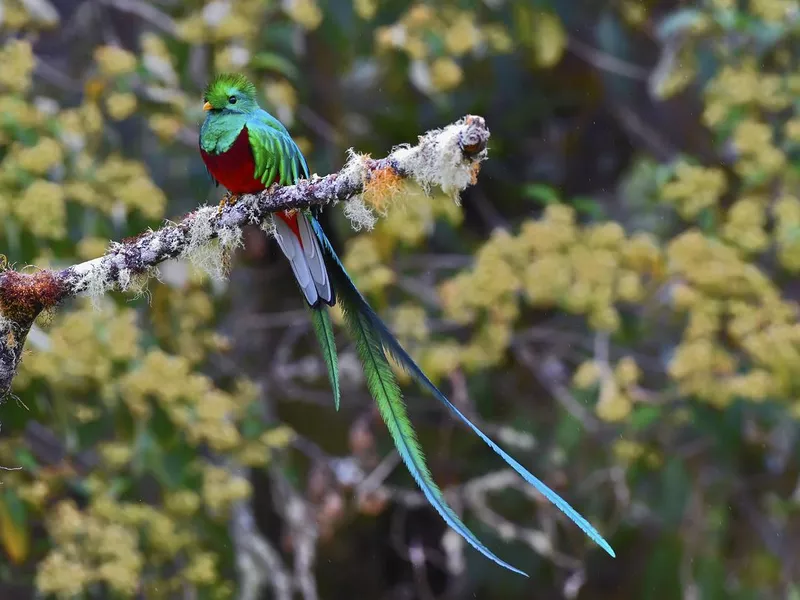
[374, 340]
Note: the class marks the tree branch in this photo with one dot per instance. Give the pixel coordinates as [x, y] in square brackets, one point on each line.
[448, 158]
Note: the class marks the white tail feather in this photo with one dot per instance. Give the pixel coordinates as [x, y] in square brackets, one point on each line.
[314, 258]
[293, 250]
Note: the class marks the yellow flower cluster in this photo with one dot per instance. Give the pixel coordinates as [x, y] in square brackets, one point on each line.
[774, 11]
[714, 268]
[365, 9]
[257, 453]
[18, 15]
[633, 12]
[164, 537]
[116, 455]
[91, 247]
[34, 493]
[758, 155]
[107, 544]
[616, 386]
[84, 345]
[460, 34]
[123, 181]
[203, 412]
[61, 146]
[304, 12]
[42, 211]
[180, 317]
[182, 503]
[439, 359]
[413, 218]
[745, 85]
[38, 159]
[745, 224]
[629, 451]
[229, 22]
[792, 129]
[694, 188]
[89, 550]
[786, 211]
[78, 123]
[364, 262]
[18, 110]
[552, 262]
[727, 296]
[120, 105]
[165, 126]
[549, 39]
[18, 61]
[114, 61]
[221, 490]
[409, 323]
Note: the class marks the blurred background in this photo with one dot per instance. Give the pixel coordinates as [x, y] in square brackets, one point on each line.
[615, 301]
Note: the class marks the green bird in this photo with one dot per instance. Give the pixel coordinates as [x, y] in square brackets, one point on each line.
[246, 149]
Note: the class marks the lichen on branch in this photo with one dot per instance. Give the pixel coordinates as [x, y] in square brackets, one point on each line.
[447, 158]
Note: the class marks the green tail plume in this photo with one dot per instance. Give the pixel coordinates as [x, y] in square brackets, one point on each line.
[383, 387]
[379, 335]
[324, 330]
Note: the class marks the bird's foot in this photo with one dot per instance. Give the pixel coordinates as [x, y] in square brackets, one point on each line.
[227, 200]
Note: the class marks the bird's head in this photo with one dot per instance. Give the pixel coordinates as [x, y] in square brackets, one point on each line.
[230, 93]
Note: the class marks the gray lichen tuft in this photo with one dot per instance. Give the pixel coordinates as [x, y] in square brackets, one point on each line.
[209, 243]
[448, 158]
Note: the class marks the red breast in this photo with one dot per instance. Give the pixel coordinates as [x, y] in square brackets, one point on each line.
[235, 168]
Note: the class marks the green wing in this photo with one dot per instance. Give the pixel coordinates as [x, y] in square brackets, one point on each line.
[277, 157]
[324, 330]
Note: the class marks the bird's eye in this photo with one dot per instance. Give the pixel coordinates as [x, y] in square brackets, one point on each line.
[232, 99]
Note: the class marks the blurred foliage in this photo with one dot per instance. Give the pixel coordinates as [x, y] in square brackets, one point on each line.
[620, 284]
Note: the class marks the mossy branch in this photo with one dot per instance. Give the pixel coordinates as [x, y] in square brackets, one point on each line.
[448, 158]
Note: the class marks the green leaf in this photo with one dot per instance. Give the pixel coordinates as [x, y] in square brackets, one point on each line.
[269, 61]
[14, 533]
[710, 575]
[26, 459]
[568, 433]
[662, 574]
[588, 206]
[175, 465]
[643, 416]
[253, 426]
[540, 193]
[675, 486]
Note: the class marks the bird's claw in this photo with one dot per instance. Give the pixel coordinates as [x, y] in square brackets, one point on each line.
[227, 199]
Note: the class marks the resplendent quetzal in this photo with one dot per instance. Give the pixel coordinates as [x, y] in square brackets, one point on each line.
[246, 149]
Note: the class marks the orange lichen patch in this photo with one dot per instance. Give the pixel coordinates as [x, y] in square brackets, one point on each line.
[474, 170]
[23, 296]
[382, 186]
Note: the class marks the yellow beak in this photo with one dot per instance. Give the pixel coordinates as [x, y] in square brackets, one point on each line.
[207, 106]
